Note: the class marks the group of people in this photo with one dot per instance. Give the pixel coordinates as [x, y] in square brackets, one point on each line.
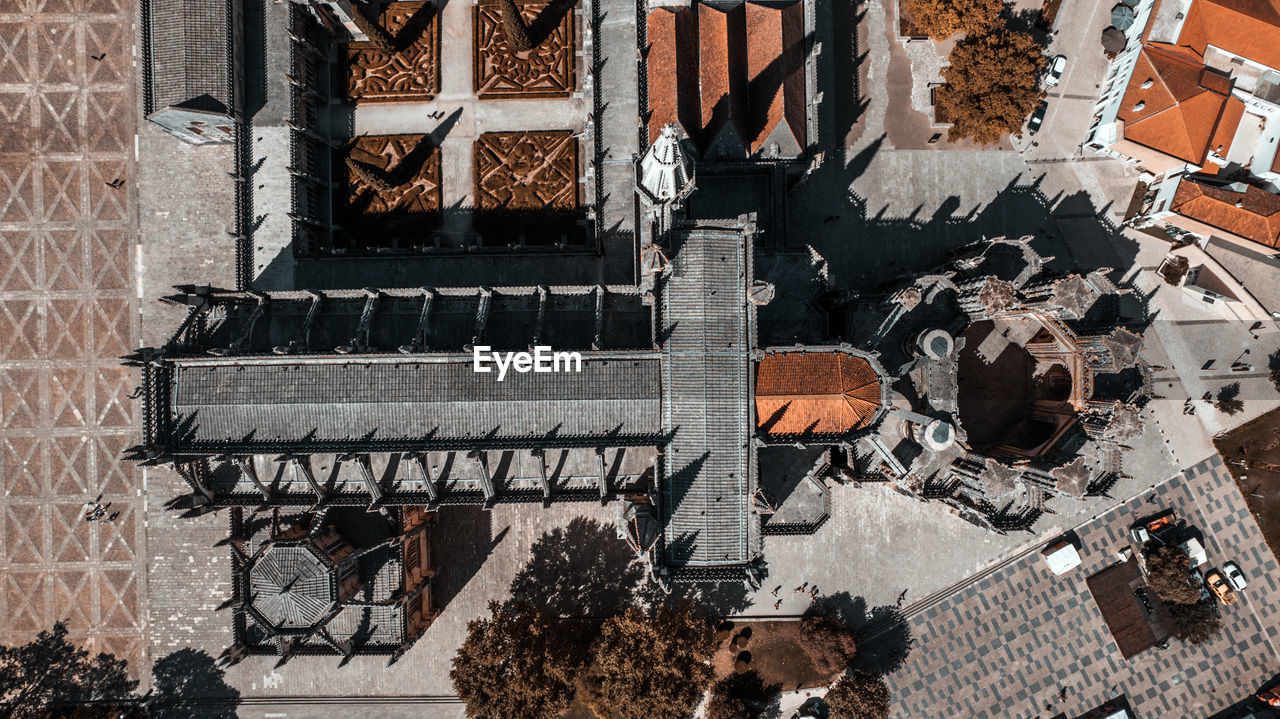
[96, 510]
[813, 593]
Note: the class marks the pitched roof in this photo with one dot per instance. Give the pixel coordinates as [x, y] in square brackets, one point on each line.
[672, 77]
[775, 68]
[1177, 106]
[815, 392]
[738, 72]
[1242, 27]
[1240, 209]
[187, 50]
[410, 399]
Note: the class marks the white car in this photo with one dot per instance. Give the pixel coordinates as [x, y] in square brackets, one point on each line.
[1056, 68]
[1234, 576]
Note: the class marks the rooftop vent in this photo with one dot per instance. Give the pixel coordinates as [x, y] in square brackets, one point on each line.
[1148, 83]
[1140, 106]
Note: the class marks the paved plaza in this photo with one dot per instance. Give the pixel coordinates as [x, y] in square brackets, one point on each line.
[67, 313]
[1007, 644]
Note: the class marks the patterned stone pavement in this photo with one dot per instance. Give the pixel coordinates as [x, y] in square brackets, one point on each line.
[1006, 644]
[66, 315]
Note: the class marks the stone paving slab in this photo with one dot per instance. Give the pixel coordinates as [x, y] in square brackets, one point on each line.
[1005, 645]
[66, 314]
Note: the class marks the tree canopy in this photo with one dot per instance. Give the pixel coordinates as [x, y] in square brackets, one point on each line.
[859, 695]
[520, 662]
[48, 674]
[991, 85]
[1195, 623]
[829, 643]
[941, 19]
[740, 696]
[1169, 576]
[514, 28]
[653, 667]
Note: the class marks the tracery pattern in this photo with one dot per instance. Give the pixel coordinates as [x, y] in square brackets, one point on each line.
[391, 173]
[545, 71]
[412, 72]
[527, 171]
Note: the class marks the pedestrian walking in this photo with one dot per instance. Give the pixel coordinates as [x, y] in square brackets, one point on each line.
[775, 590]
[777, 604]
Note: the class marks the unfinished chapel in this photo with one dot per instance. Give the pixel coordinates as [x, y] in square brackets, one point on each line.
[419, 180]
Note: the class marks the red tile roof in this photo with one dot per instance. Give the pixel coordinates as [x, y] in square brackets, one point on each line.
[663, 67]
[743, 69]
[721, 38]
[815, 392]
[1177, 106]
[1243, 27]
[1252, 213]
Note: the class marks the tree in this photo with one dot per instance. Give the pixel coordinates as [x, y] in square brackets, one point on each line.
[520, 662]
[1228, 401]
[513, 27]
[189, 684]
[1275, 377]
[829, 643]
[740, 696]
[1169, 576]
[940, 19]
[1195, 623]
[991, 85]
[45, 676]
[653, 667]
[859, 695]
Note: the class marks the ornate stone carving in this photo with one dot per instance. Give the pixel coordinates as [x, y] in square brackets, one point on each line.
[411, 72]
[545, 71]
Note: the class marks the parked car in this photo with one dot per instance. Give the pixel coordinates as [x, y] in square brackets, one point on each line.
[1141, 532]
[1056, 67]
[1270, 697]
[1037, 118]
[1220, 587]
[1235, 577]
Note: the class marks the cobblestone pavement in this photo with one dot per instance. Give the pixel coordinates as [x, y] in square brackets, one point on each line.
[1006, 644]
[66, 315]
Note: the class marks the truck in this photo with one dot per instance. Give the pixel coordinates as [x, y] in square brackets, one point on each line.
[1194, 552]
[1142, 531]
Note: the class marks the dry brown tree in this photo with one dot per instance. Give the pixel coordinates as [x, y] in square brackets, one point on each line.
[991, 85]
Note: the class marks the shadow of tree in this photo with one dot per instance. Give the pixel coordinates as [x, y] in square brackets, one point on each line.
[882, 633]
[190, 685]
[582, 569]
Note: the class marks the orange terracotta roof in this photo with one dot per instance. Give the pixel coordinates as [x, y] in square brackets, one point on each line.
[775, 68]
[1247, 28]
[662, 64]
[709, 69]
[764, 68]
[1177, 106]
[793, 64]
[1252, 213]
[815, 392]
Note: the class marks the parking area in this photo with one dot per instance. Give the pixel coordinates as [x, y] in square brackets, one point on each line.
[1020, 642]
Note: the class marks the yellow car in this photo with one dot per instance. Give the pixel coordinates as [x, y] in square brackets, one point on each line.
[1220, 587]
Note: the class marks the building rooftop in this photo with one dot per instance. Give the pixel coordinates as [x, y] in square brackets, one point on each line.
[816, 392]
[188, 52]
[1113, 591]
[733, 80]
[308, 402]
[1239, 208]
[709, 461]
[1242, 27]
[1177, 106]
